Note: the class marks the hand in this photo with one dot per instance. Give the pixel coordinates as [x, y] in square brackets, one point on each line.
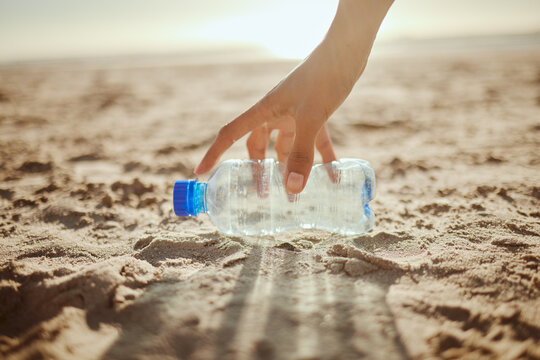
[299, 106]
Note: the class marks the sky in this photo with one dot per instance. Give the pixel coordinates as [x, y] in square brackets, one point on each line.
[53, 29]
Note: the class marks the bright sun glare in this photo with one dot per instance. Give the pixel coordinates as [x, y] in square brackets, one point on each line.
[286, 29]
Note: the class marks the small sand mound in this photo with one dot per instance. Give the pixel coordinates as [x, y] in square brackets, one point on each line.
[35, 167]
[69, 216]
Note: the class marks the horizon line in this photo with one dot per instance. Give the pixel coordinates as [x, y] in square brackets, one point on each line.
[257, 51]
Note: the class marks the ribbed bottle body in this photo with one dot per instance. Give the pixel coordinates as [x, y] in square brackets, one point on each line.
[246, 197]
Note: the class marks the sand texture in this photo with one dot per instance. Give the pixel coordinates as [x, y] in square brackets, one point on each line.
[94, 264]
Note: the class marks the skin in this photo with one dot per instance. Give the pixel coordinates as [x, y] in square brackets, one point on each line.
[299, 106]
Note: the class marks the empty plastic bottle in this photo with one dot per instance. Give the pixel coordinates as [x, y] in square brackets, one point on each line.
[245, 197]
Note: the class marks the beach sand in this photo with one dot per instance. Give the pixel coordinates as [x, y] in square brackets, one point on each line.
[94, 264]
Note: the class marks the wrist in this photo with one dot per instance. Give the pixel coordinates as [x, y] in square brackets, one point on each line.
[354, 29]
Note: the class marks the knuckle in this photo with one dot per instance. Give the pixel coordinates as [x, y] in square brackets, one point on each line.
[225, 133]
[265, 108]
[299, 157]
[255, 145]
[283, 143]
[269, 107]
[264, 105]
[323, 144]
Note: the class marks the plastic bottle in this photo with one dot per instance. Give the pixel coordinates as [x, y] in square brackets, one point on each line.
[245, 197]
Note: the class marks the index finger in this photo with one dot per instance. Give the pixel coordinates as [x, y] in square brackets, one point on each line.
[228, 134]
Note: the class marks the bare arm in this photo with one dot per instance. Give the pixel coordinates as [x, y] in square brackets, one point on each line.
[299, 106]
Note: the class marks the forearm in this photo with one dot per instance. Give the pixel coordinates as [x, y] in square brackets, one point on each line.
[353, 32]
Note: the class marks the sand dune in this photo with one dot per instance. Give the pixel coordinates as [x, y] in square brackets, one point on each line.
[94, 264]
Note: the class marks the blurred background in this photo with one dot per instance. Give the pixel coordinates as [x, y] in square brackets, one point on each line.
[212, 30]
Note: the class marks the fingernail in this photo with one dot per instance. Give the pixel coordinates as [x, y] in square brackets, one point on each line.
[196, 171]
[295, 182]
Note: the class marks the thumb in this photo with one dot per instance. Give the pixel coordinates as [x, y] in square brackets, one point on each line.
[299, 162]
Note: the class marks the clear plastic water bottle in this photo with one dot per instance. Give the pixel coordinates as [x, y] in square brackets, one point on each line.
[245, 197]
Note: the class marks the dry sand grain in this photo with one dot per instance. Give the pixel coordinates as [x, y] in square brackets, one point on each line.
[93, 263]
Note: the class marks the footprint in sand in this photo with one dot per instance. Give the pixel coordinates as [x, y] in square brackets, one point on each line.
[70, 217]
[35, 167]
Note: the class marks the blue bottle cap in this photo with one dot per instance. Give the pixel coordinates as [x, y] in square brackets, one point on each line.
[189, 197]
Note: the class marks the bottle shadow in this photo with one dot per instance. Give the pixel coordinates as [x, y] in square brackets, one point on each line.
[312, 314]
[283, 304]
[233, 311]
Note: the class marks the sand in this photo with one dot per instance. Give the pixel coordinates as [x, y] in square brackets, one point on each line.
[94, 264]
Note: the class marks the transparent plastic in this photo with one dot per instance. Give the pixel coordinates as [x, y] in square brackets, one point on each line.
[245, 197]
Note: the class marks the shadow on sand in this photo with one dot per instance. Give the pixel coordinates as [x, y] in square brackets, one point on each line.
[281, 305]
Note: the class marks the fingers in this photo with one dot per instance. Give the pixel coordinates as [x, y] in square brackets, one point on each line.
[324, 145]
[228, 134]
[284, 144]
[300, 160]
[257, 143]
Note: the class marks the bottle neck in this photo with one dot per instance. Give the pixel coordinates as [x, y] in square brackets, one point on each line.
[198, 199]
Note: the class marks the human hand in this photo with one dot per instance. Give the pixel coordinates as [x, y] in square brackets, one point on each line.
[299, 106]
